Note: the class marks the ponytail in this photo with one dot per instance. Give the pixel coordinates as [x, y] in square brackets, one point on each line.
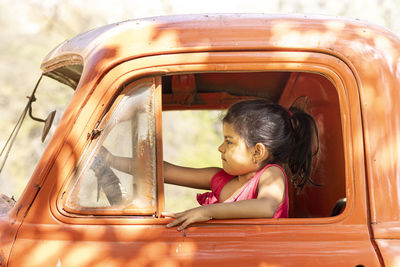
[306, 146]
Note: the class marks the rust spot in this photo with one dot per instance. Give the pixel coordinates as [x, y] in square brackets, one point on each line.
[95, 133]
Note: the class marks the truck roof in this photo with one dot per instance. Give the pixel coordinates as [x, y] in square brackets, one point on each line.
[130, 39]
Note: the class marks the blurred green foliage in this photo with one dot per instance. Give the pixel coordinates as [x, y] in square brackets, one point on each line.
[190, 138]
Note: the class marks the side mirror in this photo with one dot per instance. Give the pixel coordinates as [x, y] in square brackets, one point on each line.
[47, 122]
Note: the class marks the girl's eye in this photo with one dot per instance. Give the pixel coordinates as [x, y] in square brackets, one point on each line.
[228, 142]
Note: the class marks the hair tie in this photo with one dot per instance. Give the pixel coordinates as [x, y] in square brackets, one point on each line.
[290, 113]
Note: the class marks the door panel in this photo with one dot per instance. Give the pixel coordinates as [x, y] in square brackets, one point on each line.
[206, 244]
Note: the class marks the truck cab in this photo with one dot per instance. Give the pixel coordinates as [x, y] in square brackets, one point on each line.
[77, 211]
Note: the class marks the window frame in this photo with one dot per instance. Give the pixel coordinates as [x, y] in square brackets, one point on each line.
[96, 140]
[335, 69]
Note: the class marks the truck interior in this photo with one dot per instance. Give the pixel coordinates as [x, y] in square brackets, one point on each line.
[318, 97]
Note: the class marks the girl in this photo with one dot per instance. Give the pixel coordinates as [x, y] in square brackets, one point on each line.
[260, 141]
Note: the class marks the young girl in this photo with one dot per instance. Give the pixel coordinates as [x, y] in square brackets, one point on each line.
[260, 141]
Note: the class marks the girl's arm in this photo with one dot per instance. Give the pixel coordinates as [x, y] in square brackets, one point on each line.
[271, 192]
[123, 164]
[189, 177]
[173, 174]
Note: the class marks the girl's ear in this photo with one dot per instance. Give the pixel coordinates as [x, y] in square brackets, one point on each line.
[260, 152]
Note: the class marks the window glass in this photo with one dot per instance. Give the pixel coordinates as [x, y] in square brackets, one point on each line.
[118, 174]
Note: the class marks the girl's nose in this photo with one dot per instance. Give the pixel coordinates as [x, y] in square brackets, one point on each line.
[220, 148]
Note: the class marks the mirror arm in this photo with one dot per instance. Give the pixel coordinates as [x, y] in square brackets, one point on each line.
[33, 117]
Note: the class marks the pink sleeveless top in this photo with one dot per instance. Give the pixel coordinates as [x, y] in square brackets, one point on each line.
[249, 191]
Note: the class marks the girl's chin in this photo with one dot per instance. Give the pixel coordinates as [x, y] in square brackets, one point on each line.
[230, 171]
[227, 170]
[237, 172]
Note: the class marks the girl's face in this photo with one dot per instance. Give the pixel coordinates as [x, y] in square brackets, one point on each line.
[237, 159]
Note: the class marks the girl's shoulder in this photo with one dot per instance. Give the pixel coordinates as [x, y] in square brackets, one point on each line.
[272, 183]
[272, 173]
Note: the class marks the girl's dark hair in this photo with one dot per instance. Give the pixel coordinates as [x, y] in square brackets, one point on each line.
[291, 136]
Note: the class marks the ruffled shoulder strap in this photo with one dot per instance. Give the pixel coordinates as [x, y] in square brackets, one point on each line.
[216, 184]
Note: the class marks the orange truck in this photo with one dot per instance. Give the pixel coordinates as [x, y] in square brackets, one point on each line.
[76, 211]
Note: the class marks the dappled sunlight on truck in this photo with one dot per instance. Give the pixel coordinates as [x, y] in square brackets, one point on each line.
[77, 210]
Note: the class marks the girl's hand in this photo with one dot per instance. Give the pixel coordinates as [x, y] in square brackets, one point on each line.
[183, 219]
[105, 154]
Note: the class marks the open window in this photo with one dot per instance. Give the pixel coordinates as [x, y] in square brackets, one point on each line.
[217, 91]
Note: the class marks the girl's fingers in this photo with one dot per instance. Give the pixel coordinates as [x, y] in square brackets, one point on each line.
[180, 219]
[172, 215]
[184, 225]
[172, 224]
[175, 222]
[168, 214]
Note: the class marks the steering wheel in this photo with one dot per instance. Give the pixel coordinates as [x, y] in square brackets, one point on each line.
[107, 180]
